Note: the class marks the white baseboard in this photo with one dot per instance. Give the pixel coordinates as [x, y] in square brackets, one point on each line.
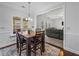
[71, 50]
[71, 41]
[7, 44]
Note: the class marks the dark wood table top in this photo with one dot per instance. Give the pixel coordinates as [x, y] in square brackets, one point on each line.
[32, 34]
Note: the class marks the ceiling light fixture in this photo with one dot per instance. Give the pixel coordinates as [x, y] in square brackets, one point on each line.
[28, 12]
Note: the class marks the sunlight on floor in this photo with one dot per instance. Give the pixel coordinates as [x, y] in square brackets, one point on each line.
[61, 53]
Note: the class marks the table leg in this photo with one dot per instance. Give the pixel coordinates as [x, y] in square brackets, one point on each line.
[43, 42]
[28, 45]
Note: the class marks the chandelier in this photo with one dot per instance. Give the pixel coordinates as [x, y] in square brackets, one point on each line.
[28, 18]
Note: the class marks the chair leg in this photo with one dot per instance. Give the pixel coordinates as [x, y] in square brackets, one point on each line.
[20, 50]
[41, 51]
[22, 45]
[35, 53]
[41, 48]
[17, 47]
[35, 50]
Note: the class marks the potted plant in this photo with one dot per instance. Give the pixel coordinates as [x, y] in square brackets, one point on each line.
[29, 30]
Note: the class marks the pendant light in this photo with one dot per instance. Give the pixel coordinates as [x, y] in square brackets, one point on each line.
[28, 12]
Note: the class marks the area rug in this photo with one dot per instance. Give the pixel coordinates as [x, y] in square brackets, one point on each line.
[11, 51]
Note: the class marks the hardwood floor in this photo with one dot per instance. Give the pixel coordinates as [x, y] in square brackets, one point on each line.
[61, 53]
[67, 53]
[54, 41]
[64, 52]
[7, 46]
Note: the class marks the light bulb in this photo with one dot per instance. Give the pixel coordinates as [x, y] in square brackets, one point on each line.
[26, 19]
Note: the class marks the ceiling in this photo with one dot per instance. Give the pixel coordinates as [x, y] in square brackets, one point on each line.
[35, 6]
[57, 13]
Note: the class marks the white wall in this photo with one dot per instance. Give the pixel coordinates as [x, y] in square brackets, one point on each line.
[6, 27]
[53, 18]
[40, 19]
[57, 23]
[71, 40]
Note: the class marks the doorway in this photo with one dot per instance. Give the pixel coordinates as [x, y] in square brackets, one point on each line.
[53, 24]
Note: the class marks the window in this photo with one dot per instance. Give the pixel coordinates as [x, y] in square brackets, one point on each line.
[16, 24]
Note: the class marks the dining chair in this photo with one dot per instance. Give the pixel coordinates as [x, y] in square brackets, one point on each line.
[20, 39]
[37, 43]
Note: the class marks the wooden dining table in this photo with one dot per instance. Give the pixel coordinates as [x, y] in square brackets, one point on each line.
[28, 41]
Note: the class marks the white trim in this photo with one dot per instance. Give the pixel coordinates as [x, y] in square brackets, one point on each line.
[74, 34]
[4, 45]
[49, 9]
[71, 50]
[68, 48]
[64, 35]
[5, 32]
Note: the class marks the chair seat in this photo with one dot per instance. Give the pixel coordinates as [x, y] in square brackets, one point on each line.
[35, 41]
[23, 41]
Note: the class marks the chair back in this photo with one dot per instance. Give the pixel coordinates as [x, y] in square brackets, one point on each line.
[39, 35]
[19, 37]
